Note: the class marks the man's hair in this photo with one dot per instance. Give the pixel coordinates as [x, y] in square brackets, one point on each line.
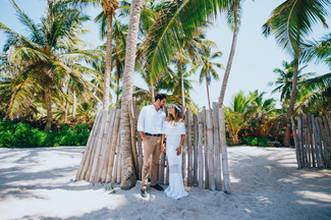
[160, 96]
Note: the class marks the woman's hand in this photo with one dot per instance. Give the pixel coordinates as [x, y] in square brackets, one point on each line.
[179, 150]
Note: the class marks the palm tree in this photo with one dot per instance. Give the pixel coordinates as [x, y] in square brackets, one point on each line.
[318, 50]
[283, 83]
[44, 57]
[109, 8]
[174, 26]
[233, 12]
[262, 112]
[208, 71]
[128, 173]
[236, 115]
[290, 22]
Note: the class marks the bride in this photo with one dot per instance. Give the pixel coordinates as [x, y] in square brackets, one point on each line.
[174, 132]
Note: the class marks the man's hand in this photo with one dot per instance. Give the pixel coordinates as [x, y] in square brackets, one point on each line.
[163, 148]
[142, 136]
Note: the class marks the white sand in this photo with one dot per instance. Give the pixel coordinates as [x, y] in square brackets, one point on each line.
[38, 184]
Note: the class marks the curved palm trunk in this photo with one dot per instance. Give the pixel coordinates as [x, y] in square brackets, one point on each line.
[128, 174]
[182, 89]
[294, 92]
[208, 95]
[66, 111]
[152, 91]
[74, 105]
[229, 65]
[106, 89]
[48, 104]
[117, 89]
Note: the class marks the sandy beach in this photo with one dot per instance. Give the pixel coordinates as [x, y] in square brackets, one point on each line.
[38, 183]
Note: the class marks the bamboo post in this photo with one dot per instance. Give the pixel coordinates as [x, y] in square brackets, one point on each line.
[96, 147]
[318, 146]
[195, 150]
[117, 159]
[105, 152]
[100, 147]
[300, 144]
[205, 151]
[167, 172]
[162, 169]
[210, 149]
[225, 166]
[200, 149]
[306, 131]
[313, 141]
[113, 145]
[296, 142]
[89, 147]
[140, 156]
[218, 168]
[189, 148]
[324, 140]
[327, 140]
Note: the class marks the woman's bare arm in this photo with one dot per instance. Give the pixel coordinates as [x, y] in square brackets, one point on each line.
[181, 144]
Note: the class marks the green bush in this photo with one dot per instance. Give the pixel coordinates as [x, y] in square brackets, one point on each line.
[13, 134]
[256, 141]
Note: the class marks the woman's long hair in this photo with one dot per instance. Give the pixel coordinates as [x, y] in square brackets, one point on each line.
[178, 114]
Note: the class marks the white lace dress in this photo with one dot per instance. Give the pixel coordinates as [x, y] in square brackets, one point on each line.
[173, 132]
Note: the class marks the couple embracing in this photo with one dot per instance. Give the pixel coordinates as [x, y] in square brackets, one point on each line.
[155, 128]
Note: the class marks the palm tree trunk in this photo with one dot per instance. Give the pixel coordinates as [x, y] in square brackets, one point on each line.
[293, 98]
[117, 89]
[208, 95]
[66, 111]
[74, 105]
[182, 88]
[128, 173]
[152, 91]
[229, 65]
[48, 104]
[108, 60]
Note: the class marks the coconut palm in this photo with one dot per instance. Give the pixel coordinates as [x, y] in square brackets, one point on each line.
[174, 26]
[236, 115]
[128, 175]
[290, 23]
[261, 113]
[233, 12]
[283, 83]
[44, 57]
[208, 70]
[108, 12]
[318, 50]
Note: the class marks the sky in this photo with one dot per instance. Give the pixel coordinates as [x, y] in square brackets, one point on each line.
[255, 57]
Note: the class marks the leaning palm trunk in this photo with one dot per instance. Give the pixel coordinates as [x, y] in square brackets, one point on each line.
[221, 103]
[208, 95]
[292, 101]
[229, 65]
[108, 62]
[48, 103]
[152, 91]
[74, 105]
[128, 172]
[182, 89]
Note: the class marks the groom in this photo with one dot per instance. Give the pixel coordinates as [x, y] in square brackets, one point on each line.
[150, 123]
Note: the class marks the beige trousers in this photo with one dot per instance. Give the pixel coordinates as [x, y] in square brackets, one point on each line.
[151, 160]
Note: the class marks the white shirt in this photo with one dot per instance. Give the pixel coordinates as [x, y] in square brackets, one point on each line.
[150, 120]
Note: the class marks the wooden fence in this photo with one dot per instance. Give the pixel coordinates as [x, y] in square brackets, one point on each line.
[312, 138]
[205, 162]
